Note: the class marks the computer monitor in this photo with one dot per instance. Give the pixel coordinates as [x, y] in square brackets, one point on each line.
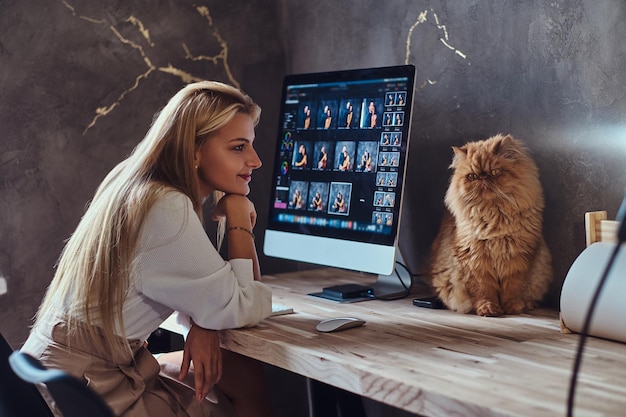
[338, 176]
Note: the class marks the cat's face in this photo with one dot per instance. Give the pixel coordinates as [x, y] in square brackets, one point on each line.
[484, 170]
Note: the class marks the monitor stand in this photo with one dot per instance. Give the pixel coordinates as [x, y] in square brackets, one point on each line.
[397, 284]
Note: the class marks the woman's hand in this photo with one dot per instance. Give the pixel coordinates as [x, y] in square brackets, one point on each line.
[238, 210]
[202, 348]
[240, 214]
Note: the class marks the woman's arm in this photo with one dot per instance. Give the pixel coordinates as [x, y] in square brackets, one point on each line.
[178, 266]
[240, 220]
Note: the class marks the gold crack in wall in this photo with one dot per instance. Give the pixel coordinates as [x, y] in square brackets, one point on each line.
[444, 39]
[186, 77]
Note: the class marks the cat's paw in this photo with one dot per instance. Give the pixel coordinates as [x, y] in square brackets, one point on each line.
[530, 305]
[460, 306]
[514, 306]
[489, 309]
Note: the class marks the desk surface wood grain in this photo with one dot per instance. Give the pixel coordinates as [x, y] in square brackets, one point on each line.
[435, 362]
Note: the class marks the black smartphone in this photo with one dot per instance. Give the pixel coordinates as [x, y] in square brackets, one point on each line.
[428, 302]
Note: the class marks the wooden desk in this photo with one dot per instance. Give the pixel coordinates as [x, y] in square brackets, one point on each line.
[435, 362]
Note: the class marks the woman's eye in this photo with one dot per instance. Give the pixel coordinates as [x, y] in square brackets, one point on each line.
[239, 148]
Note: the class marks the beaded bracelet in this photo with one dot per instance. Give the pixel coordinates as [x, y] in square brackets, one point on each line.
[240, 228]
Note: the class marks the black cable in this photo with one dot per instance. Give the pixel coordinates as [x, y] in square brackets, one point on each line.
[407, 289]
[585, 330]
[411, 274]
[400, 278]
[621, 235]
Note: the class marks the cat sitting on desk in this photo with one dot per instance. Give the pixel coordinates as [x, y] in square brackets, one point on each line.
[490, 256]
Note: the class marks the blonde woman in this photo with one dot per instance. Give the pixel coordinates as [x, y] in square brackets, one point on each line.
[140, 252]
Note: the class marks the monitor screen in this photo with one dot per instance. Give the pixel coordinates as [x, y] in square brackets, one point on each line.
[339, 168]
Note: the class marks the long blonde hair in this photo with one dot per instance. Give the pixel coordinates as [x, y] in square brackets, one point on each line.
[93, 273]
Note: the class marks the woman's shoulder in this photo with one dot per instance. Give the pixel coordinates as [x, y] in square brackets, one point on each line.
[169, 215]
[172, 198]
[170, 203]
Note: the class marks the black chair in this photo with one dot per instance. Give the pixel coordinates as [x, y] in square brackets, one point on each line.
[72, 397]
[17, 397]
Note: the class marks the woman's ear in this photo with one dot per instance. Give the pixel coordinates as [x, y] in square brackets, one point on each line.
[196, 158]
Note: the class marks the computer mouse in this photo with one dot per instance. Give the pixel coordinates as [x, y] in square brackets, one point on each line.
[338, 323]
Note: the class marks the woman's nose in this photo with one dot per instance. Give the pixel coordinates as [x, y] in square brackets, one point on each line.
[255, 161]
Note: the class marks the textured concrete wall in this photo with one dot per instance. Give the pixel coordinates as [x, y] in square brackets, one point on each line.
[80, 83]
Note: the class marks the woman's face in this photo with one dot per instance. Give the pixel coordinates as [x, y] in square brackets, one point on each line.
[227, 158]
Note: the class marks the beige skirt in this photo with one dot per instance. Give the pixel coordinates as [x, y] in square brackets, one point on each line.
[131, 385]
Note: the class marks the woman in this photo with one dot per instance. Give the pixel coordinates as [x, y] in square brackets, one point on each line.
[301, 161]
[349, 115]
[328, 120]
[140, 252]
[338, 204]
[307, 117]
[316, 202]
[296, 201]
[366, 161]
[373, 117]
[344, 165]
[321, 163]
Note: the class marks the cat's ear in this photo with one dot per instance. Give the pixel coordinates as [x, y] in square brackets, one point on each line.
[459, 154]
[507, 147]
[460, 151]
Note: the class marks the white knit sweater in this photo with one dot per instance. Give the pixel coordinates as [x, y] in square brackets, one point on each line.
[177, 268]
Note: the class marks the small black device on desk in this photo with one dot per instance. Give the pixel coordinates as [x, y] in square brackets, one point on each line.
[429, 302]
[346, 293]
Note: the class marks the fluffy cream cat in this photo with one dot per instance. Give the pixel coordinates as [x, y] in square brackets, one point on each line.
[490, 256]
